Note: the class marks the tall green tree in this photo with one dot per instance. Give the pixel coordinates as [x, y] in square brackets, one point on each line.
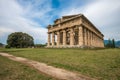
[113, 43]
[109, 43]
[20, 40]
[1, 45]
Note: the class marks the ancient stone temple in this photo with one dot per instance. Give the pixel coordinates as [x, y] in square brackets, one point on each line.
[74, 31]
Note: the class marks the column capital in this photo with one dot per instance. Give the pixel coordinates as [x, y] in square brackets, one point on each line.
[80, 26]
[63, 30]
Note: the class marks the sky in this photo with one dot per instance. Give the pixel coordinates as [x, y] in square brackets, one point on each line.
[33, 16]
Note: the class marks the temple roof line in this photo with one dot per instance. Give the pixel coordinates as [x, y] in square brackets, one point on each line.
[62, 21]
[70, 17]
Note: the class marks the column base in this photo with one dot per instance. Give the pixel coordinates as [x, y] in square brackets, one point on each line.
[71, 46]
[66, 46]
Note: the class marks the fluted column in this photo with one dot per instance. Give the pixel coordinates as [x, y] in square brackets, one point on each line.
[64, 37]
[71, 37]
[48, 39]
[88, 38]
[102, 43]
[80, 36]
[58, 38]
[98, 41]
[53, 39]
[93, 40]
[85, 37]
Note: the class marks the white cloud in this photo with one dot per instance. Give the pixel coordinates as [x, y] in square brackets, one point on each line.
[4, 30]
[103, 13]
[37, 8]
[12, 19]
[19, 15]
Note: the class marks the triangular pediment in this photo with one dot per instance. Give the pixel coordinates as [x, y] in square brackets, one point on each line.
[69, 16]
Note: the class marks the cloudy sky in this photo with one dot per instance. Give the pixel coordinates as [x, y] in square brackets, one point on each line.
[33, 16]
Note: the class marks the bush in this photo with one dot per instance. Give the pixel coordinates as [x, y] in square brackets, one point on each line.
[20, 40]
[7, 46]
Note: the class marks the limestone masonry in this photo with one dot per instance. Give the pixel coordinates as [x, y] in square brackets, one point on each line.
[74, 31]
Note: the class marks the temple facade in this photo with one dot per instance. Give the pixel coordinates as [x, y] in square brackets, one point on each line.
[74, 31]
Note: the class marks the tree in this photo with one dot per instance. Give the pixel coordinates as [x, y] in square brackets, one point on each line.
[1, 45]
[113, 43]
[39, 45]
[109, 43]
[20, 40]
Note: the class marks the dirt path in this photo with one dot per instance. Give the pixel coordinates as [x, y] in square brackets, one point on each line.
[48, 70]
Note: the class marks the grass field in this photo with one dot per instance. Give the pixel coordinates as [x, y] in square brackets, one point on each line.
[103, 64]
[11, 70]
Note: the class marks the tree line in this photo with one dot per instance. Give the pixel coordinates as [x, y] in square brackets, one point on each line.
[110, 44]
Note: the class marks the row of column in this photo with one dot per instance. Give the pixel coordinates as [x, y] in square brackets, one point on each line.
[91, 39]
[58, 38]
[85, 38]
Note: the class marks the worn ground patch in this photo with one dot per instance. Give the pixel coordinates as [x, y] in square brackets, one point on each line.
[49, 70]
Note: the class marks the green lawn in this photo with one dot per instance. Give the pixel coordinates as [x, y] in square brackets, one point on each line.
[11, 70]
[103, 64]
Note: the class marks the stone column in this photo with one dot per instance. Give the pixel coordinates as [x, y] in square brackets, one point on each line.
[99, 41]
[85, 37]
[58, 38]
[96, 41]
[64, 37]
[80, 35]
[93, 40]
[88, 38]
[53, 39]
[102, 43]
[48, 39]
[71, 37]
